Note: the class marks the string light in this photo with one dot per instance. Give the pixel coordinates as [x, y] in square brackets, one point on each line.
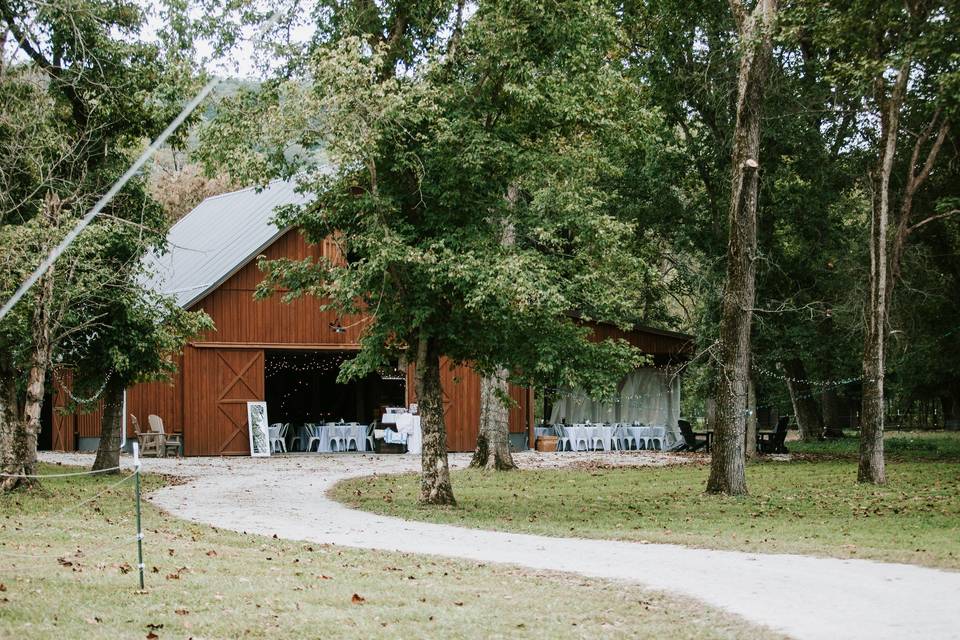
[301, 382]
[89, 400]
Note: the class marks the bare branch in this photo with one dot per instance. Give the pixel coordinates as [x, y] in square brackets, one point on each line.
[938, 216]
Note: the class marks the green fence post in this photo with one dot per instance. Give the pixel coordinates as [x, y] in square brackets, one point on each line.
[136, 480]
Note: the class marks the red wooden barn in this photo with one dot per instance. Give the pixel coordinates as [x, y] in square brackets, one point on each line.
[286, 354]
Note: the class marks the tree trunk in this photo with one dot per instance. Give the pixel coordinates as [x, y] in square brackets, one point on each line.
[111, 425]
[11, 428]
[805, 407]
[20, 445]
[750, 443]
[871, 464]
[832, 416]
[435, 487]
[493, 439]
[727, 459]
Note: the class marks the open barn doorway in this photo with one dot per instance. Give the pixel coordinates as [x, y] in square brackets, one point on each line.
[301, 387]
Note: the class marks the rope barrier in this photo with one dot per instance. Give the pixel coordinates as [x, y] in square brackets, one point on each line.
[73, 507]
[58, 475]
[99, 551]
[55, 519]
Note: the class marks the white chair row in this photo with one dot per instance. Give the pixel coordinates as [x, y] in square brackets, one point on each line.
[338, 437]
[332, 436]
[586, 437]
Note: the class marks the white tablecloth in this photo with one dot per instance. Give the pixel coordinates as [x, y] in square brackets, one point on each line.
[645, 435]
[409, 424]
[326, 433]
[579, 434]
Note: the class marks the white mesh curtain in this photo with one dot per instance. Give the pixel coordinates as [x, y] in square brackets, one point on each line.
[647, 395]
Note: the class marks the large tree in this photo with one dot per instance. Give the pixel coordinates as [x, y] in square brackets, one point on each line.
[755, 33]
[414, 179]
[82, 93]
[899, 63]
[140, 342]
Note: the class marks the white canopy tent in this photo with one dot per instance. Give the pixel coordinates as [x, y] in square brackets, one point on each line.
[647, 395]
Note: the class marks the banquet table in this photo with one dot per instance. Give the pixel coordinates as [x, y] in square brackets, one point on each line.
[644, 434]
[579, 434]
[408, 424]
[607, 434]
[326, 433]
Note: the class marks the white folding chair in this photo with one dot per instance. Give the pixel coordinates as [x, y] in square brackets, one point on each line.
[295, 442]
[370, 442]
[337, 437]
[313, 436]
[616, 438]
[276, 439]
[578, 434]
[656, 438]
[333, 435]
[596, 436]
[562, 440]
[352, 434]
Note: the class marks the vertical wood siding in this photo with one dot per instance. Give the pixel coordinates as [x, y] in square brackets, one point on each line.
[63, 423]
[223, 369]
[241, 319]
[461, 396]
[650, 342]
[160, 398]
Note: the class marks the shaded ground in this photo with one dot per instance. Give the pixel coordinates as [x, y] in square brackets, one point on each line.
[68, 570]
[809, 505]
[286, 497]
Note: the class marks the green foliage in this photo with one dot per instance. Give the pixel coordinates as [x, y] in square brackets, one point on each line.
[817, 155]
[474, 194]
[82, 94]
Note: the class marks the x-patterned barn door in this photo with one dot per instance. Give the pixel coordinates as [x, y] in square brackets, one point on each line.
[239, 380]
[63, 423]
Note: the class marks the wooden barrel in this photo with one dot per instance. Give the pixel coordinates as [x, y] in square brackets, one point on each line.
[546, 443]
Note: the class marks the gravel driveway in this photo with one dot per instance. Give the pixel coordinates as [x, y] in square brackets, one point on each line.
[805, 597]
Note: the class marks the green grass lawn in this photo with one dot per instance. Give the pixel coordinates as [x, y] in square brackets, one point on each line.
[62, 575]
[811, 504]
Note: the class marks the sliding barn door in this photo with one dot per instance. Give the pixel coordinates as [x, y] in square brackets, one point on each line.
[218, 385]
[62, 423]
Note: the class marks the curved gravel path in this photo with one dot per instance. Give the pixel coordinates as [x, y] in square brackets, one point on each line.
[803, 596]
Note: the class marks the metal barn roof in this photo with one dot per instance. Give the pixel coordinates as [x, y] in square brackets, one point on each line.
[218, 238]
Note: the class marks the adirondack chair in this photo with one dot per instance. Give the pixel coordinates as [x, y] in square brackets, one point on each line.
[774, 442]
[170, 442]
[150, 443]
[690, 437]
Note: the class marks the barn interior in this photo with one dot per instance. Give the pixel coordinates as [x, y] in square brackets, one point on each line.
[302, 387]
